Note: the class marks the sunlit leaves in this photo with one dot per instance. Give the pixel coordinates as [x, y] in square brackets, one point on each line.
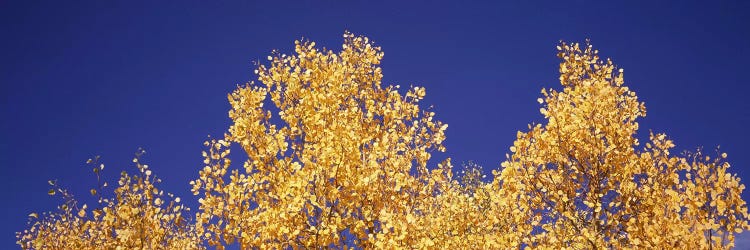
[334, 158]
[584, 173]
[350, 155]
[137, 217]
[341, 153]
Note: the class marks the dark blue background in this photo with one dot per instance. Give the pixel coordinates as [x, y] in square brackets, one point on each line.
[104, 78]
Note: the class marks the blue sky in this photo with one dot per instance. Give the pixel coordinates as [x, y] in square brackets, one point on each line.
[104, 78]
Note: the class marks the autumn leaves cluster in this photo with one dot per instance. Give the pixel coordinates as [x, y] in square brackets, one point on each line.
[341, 160]
[139, 216]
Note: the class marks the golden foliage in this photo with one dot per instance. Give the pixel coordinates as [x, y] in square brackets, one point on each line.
[138, 217]
[344, 154]
[583, 174]
[334, 159]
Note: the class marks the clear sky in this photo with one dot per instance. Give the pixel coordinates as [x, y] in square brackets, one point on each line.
[80, 79]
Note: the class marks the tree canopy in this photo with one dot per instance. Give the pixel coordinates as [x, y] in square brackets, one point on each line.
[335, 158]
